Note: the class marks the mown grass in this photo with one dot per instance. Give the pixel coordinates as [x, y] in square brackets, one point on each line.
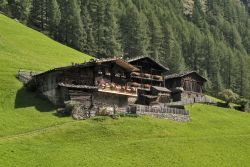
[28, 135]
[214, 137]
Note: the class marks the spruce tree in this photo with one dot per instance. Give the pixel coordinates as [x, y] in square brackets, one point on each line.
[37, 14]
[134, 31]
[88, 35]
[54, 18]
[19, 9]
[71, 27]
[156, 37]
[198, 15]
[4, 6]
[171, 51]
[111, 46]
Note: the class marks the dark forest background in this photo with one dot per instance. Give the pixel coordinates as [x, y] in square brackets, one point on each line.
[209, 36]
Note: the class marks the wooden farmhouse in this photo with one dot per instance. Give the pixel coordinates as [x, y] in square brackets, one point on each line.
[186, 86]
[152, 76]
[104, 81]
[117, 82]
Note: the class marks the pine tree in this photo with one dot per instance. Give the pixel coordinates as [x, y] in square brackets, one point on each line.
[156, 36]
[37, 15]
[198, 15]
[111, 46]
[195, 58]
[54, 18]
[171, 51]
[134, 31]
[212, 65]
[88, 37]
[71, 27]
[19, 9]
[4, 6]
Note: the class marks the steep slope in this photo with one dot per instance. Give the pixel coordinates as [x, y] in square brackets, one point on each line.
[24, 48]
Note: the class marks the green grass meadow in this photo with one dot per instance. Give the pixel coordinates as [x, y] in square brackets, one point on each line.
[32, 136]
[24, 48]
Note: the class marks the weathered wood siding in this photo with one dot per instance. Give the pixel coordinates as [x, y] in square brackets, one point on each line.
[192, 82]
[77, 76]
[47, 86]
[107, 99]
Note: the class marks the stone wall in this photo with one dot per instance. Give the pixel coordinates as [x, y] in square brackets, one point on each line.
[184, 98]
[158, 111]
[110, 100]
[170, 116]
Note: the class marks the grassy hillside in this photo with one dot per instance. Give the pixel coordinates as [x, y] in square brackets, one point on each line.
[30, 135]
[24, 48]
[215, 137]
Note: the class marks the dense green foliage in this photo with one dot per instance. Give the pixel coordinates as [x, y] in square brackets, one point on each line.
[211, 37]
[228, 96]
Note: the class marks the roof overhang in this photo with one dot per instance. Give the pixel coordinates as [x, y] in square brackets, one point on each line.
[151, 59]
[174, 76]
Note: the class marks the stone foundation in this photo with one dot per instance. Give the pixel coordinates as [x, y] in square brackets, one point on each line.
[158, 111]
[170, 116]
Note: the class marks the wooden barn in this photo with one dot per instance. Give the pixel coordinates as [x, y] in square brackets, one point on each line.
[186, 86]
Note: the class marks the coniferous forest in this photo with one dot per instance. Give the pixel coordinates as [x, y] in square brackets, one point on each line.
[209, 36]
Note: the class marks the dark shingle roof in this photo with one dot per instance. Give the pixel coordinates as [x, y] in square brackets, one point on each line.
[94, 62]
[172, 76]
[146, 57]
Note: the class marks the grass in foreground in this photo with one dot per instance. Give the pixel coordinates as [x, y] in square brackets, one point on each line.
[214, 137]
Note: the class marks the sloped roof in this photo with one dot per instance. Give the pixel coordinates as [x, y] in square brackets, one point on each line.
[161, 89]
[151, 59]
[120, 62]
[78, 86]
[184, 74]
[94, 62]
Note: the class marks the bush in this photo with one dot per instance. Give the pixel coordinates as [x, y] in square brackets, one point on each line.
[243, 104]
[69, 107]
[228, 96]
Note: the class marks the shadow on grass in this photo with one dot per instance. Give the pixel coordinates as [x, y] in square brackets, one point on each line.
[25, 98]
